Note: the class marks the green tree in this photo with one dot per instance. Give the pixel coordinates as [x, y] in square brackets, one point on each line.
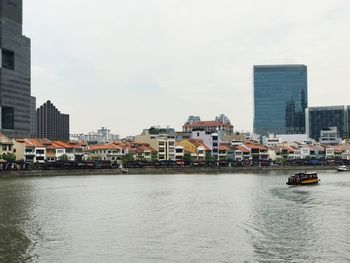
[188, 158]
[128, 158]
[9, 157]
[63, 157]
[210, 158]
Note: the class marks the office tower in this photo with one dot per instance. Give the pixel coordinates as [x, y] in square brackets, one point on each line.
[322, 118]
[33, 131]
[15, 99]
[51, 123]
[280, 99]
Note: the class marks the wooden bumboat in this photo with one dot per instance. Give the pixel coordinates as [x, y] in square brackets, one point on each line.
[307, 178]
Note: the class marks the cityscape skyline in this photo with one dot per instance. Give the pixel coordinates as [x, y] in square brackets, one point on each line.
[198, 55]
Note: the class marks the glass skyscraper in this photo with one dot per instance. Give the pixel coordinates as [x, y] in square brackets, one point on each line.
[280, 99]
[319, 118]
[15, 99]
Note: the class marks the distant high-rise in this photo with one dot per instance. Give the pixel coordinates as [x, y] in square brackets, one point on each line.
[51, 123]
[33, 132]
[280, 99]
[321, 118]
[15, 99]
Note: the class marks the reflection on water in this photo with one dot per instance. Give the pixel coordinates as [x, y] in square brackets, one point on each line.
[283, 226]
[175, 218]
[15, 242]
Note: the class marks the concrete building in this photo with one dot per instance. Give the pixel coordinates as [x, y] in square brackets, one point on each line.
[6, 145]
[33, 119]
[211, 140]
[192, 119]
[273, 140]
[223, 118]
[196, 148]
[179, 152]
[320, 118]
[209, 127]
[15, 78]
[51, 123]
[160, 139]
[330, 136]
[280, 99]
[34, 150]
[106, 152]
[101, 136]
[73, 150]
[144, 152]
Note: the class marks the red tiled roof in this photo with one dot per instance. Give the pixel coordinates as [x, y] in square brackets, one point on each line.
[241, 148]
[104, 147]
[66, 145]
[256, 147]
[224, 147]
[26, 143]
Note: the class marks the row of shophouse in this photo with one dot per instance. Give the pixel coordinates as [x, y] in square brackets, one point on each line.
[165, 144]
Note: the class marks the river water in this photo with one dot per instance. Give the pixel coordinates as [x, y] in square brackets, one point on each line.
[175, 218]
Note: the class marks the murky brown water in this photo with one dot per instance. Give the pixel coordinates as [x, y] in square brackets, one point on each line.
[175, 218]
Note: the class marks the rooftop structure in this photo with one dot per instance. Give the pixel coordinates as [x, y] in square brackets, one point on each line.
[209, 127]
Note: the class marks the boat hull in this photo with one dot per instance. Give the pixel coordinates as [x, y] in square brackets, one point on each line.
[342, 170]
[313, 182]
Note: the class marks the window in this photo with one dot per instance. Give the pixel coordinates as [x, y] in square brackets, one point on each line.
[8, 59]
[7, 118]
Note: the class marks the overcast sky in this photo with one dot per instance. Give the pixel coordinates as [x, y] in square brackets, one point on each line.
[131, 64]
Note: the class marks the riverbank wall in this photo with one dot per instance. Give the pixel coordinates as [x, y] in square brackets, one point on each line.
[162, 171]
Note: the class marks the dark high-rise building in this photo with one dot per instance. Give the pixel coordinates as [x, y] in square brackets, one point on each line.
[320, 118]
[280, 99]
[15, 99]
[51, 123]
[33, 117]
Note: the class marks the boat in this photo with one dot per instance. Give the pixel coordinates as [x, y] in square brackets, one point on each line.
[342, 168]
[124, 171]
[307, 178]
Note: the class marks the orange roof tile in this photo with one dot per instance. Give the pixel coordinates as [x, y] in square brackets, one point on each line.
[256, 147]
[198, 143]
[104, 147]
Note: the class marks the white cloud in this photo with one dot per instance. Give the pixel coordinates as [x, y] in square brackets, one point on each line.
[130, 64]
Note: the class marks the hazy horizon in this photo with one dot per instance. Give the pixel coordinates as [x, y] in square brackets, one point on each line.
[130, 65]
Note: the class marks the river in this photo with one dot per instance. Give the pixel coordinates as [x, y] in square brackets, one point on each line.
[175, 218]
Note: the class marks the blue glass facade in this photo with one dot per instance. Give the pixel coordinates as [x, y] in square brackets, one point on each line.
[280, 99]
